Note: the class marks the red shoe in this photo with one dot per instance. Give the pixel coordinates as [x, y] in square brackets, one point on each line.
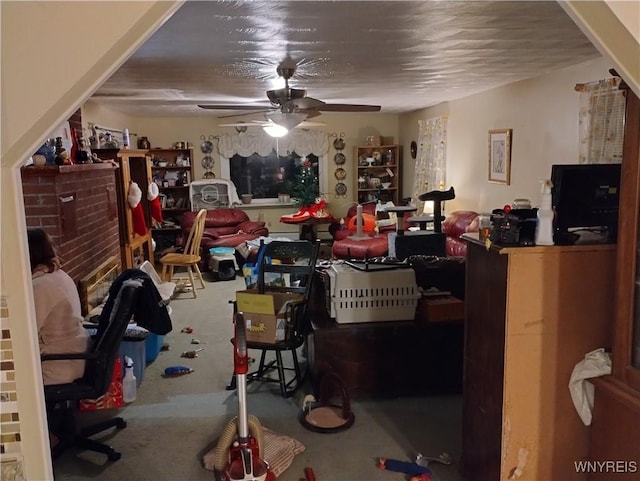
[303, 212]
[301, 215]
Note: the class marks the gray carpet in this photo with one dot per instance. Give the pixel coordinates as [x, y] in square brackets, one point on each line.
[175, 420]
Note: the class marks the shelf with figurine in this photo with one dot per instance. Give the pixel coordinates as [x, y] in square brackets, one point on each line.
[172, 171]
[378, 173]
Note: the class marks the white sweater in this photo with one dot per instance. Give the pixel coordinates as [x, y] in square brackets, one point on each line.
[59, 319]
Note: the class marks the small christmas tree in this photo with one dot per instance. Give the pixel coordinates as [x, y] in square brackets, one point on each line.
[306, 189]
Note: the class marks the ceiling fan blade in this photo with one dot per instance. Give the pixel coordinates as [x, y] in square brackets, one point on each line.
[242, 114]
[284, 95]
[304, 103]
[306, 124]
[241, 124]
[348, 108]
[234, 107]
[257, 123]
[311, 113]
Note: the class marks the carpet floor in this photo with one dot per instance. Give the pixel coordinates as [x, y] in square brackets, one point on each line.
[175, 421]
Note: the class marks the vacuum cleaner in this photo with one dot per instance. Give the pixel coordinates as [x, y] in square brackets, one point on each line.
[238, 451]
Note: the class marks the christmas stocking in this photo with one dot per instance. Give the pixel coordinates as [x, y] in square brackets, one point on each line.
[134, 196]
[154, 202]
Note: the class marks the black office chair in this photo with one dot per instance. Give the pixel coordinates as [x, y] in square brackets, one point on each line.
[297, 259]
[61, 399]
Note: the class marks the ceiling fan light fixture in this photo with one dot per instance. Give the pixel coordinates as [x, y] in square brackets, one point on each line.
[288, 120]
[275, 130]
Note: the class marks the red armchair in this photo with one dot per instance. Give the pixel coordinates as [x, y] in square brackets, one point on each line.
[343, 247]
[224, 228]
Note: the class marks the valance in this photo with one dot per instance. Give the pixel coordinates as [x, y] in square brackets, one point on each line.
[302, 142]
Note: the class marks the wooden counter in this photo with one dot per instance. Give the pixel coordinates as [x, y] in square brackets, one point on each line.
[532, 313]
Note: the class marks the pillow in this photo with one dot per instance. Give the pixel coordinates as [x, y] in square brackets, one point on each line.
[369, 223]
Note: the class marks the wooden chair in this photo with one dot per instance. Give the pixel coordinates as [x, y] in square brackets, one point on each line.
[189, 258]
[297, 261]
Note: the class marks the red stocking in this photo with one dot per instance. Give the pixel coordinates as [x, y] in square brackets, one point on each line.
[134, 197]
[154, 202]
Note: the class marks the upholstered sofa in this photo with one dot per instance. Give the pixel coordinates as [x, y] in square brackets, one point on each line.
[455, 224]
[224, 228]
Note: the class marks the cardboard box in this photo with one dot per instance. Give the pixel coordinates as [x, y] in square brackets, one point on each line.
[441, 308]
[265, 314]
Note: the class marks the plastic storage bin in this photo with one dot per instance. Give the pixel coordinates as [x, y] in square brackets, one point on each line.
[153, 344]
[381, 295]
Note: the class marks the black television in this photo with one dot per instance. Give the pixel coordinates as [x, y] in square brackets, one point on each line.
[585, 199]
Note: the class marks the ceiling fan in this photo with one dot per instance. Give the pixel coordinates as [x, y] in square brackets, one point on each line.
[288, 100]
[241, 125]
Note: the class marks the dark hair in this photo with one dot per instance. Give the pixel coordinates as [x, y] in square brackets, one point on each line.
[41, 249]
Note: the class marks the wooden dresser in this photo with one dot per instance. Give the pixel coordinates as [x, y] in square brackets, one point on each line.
[387, 359]
[532, 313]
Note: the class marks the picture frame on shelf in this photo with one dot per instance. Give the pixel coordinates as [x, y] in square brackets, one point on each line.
[500, 156]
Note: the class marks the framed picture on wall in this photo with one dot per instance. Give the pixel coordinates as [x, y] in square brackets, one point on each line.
[500, 156]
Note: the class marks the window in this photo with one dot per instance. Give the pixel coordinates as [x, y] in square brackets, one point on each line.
[267, 176]
[261, 165]
[601, 122]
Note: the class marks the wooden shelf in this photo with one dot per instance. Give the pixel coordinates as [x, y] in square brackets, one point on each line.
[183, 174]
[388, 158]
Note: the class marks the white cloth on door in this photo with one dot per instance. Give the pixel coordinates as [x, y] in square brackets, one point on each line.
[595, 363]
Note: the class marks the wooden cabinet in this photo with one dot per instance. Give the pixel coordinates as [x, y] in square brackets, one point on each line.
[134, 166]
[378, 171]
[615, 429]
[173, 172]
[532, 313]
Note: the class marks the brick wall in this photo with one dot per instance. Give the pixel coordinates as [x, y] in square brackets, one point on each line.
[77, 206]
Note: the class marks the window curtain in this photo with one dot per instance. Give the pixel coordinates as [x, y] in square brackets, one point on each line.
[600, 122]
[431, 159]
[301, 142]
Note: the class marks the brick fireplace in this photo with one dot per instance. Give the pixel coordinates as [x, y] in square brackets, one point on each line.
[77, 206]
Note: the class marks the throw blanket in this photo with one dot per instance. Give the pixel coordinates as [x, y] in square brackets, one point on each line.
[150, 310]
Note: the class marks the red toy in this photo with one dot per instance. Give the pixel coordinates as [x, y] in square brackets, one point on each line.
[418, 473]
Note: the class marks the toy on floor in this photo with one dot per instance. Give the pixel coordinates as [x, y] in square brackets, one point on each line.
[418, 473]
[309, 475]
[191, 354]
[443, 458]
[175, 371]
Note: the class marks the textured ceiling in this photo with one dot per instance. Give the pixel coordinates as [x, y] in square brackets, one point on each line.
[402, 55]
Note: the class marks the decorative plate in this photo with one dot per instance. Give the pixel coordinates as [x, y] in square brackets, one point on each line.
[341, 189]
[414, 149]
[339, 158]
[338, 143]
[340, 173]
[207, 162]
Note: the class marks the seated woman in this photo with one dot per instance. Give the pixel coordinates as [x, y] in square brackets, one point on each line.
[58, 313]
